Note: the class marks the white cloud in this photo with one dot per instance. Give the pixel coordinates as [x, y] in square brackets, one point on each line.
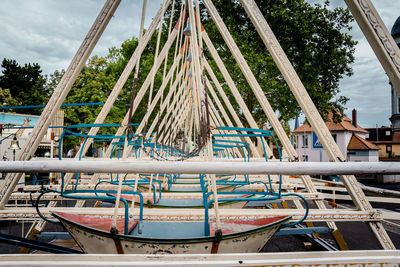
[369, 89]
[49, 32]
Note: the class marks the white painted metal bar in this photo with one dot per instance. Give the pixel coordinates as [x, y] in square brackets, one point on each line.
[155, 101]
[235, 92]
[190, 167]
[314, 215]
[373, 258]
[60, 94]
[112, 187]
[153, 71]
[121, 82]
[169, 195]
[370, 199]
[252, 81]
[118, 87]
[217, 118]
[178, 105]
[145, 86]
[311, 112]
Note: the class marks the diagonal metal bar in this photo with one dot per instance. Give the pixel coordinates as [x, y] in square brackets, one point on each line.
[60, 94]
[379, 38]
[311, 112]
[235, 92]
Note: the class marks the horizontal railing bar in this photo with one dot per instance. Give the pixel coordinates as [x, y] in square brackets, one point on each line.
[308, 258]
[315, 215]
[130, 166]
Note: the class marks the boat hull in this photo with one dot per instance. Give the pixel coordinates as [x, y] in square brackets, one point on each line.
[103, 242]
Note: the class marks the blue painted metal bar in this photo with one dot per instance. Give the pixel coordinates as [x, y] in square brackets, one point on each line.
[304, 231]
[228, 141]
[246, 130]
[112, 199]
[8, 136]
[229, 146]
[63, 105]
[97, 125]
[54, 235]
[239, 135]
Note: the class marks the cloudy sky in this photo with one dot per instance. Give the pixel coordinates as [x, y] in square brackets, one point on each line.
[49, 32]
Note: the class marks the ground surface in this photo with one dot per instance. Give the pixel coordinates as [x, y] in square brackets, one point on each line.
[357, 235]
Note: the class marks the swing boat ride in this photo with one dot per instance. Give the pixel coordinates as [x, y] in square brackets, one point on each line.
[186, 181]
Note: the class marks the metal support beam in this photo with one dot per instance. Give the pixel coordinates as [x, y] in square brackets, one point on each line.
[378, 36]
[121, 82]
[263, 101]
[235, 92]
[251, 79]
[303, 231]
[196, 167]
[314, 215]
[295, 259]
[311, 112]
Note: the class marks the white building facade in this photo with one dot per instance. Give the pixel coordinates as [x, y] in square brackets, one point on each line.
[349, 137]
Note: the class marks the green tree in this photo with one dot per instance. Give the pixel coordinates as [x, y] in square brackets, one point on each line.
[98, 78]
[313, 36]
[53, 80]
[25, 83]
[6, 99]
[96, 81]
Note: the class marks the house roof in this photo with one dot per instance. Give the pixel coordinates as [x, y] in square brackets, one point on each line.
[344, 125]
[359, 143]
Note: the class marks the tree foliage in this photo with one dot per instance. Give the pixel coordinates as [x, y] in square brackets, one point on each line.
[315, 39]
[97, 80]
[6, 99]
[25, 83]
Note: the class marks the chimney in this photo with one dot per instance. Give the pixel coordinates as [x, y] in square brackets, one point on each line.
[354, 117]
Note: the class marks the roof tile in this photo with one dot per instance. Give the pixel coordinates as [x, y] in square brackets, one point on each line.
[359, 143]
[344, 125]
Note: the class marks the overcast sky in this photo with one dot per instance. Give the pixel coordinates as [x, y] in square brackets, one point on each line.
[49, 32]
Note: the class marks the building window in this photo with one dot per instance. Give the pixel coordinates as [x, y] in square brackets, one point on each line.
[334, 137]
[305, 157]
[387, 133]
[388, 149]
[305, 140]
[398, 105]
